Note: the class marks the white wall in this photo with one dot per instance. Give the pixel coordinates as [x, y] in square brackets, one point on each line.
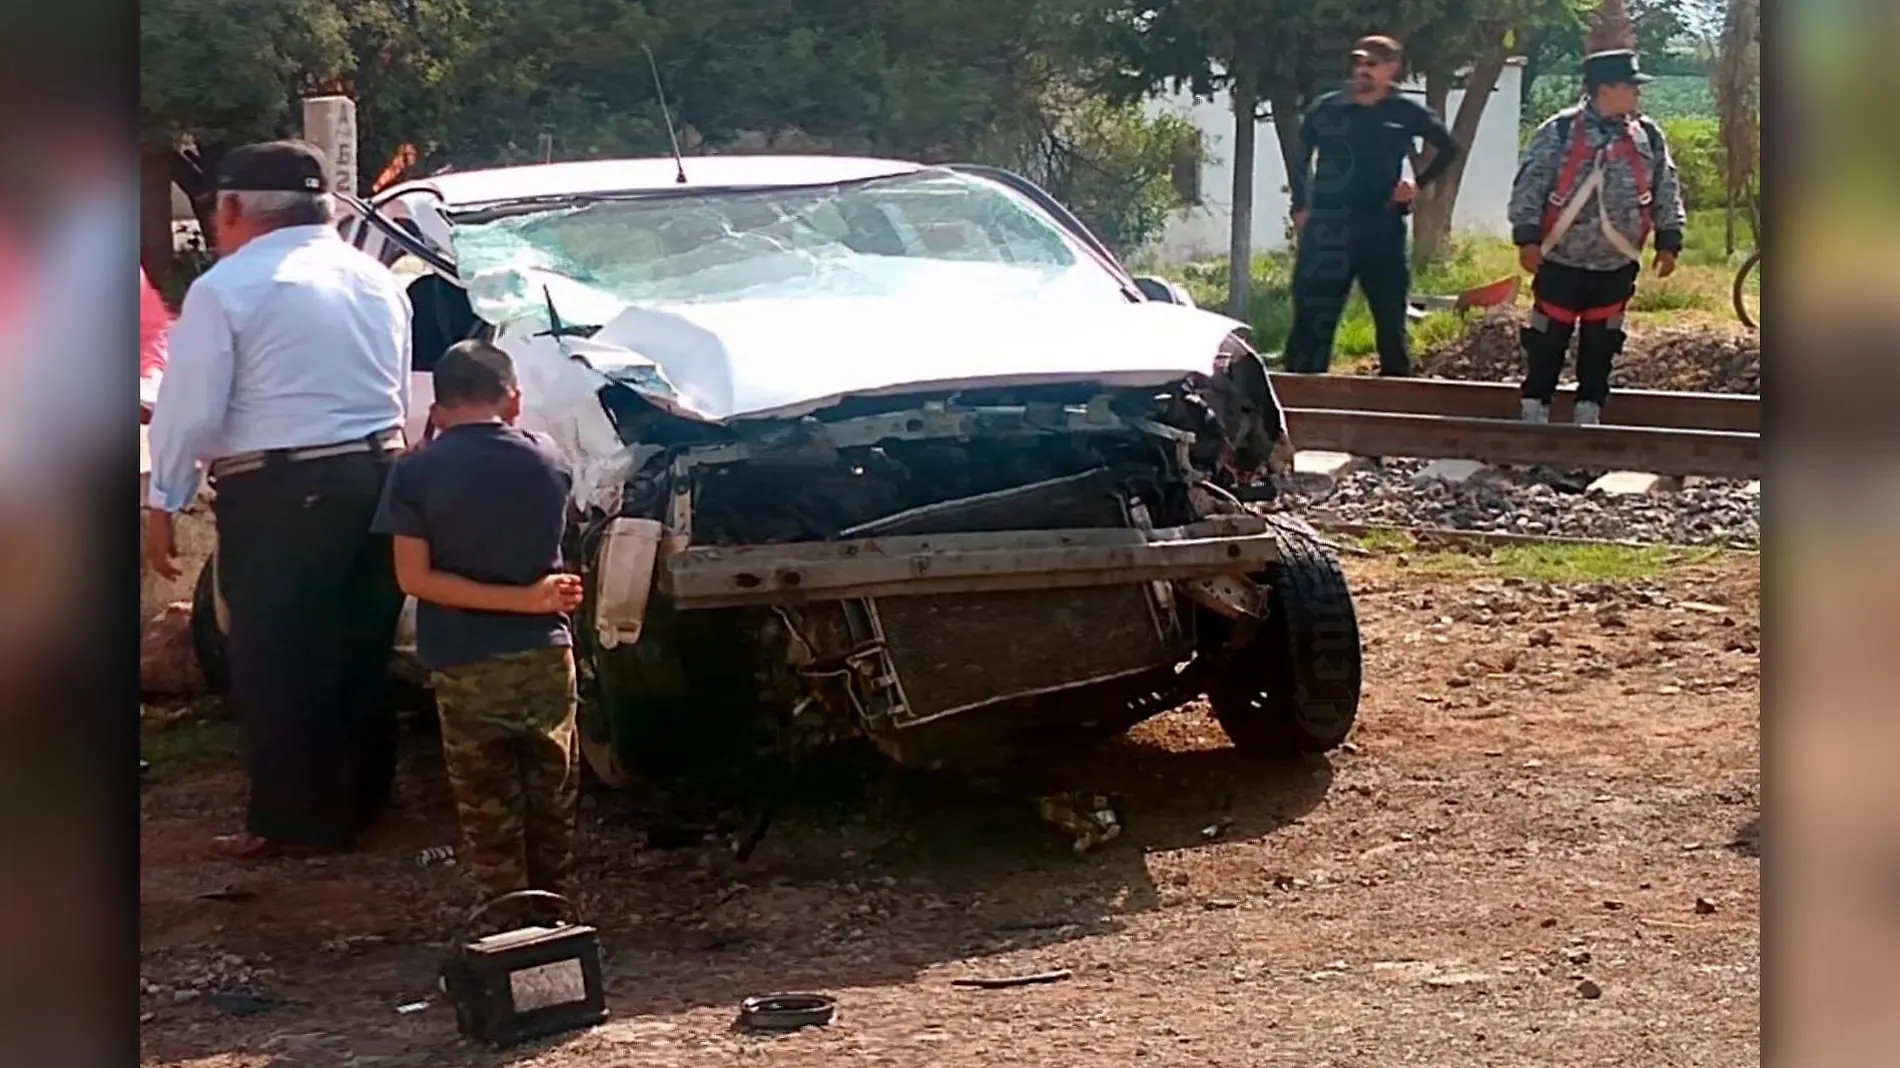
[1200, 233]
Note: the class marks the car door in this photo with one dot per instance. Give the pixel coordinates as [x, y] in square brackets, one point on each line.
[387, 230]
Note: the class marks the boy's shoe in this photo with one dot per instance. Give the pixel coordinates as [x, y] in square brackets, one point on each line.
[1535, 411]
[1589, 413]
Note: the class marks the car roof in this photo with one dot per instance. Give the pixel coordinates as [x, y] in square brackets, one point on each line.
[460, 188]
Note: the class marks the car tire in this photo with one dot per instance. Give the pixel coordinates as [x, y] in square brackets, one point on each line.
[207, 631]
[1294, 689]
[409, 689]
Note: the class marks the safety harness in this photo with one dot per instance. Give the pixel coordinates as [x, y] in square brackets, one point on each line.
[1569, 196]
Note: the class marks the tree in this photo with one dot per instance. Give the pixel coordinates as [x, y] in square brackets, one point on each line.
[1111, 165]
[214, 73]
[1462, 44]
[473, 83]
[1736, 81]
[1553, 44]
[1269, 55]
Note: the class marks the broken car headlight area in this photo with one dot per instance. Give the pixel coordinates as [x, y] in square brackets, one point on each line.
[958, 579]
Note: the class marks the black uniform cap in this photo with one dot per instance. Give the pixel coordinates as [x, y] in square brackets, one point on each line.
[274, 167]
[1615, 67]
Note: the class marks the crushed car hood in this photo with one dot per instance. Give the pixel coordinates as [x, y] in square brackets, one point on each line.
[783, 359]
[786, 358]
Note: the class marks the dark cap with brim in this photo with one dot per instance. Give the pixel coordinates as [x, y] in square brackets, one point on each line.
[1617, 67]
[1379, 49]
[274, 167]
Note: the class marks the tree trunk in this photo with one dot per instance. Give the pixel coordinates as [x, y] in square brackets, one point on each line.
[1530, 45]
[1240, 238]
[155, 212]
[1432, 211]
[1285, 102]
[194, 174]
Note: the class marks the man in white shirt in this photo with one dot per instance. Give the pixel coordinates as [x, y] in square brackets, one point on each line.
[287, 379]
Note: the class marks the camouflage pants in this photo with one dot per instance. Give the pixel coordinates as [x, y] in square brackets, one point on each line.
[508, 738]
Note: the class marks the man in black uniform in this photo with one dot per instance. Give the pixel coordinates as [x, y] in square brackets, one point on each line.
[1350, 211]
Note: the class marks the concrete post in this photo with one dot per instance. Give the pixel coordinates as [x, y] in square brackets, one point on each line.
[329, 122]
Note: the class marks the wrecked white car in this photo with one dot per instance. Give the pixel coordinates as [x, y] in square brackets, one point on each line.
[868, 448]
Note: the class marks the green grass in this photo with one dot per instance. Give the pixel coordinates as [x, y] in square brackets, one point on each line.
[1556, 562]
[190, 746]
[1383, 540]
[1560, 563]
[1698, 290]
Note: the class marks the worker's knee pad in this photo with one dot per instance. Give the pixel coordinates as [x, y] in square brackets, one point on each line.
[1541, 331]
[1602, 338]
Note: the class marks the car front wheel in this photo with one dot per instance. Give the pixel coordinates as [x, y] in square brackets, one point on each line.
[1295, 688]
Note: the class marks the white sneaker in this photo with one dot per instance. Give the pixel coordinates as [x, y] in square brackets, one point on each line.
[1536, 411]
[1589, 413]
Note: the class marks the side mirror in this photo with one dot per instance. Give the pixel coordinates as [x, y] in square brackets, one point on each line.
[1164, 291]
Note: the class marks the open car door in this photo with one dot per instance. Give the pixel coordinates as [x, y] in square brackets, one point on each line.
[404, 233]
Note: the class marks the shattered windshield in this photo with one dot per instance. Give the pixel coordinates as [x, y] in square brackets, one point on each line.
[935, 233]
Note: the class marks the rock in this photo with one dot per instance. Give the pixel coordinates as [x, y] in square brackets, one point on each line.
[1453, 980]
[1331, 466]
[1541, 638]
[1589, 989]
[1704, 906]
[168, 664]
[1451, 472]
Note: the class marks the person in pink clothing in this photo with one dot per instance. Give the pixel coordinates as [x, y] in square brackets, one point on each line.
[154, 321]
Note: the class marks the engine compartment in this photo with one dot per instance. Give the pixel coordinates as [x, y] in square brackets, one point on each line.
[903, 670]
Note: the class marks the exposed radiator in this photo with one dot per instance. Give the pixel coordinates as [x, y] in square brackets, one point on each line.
[959, 651]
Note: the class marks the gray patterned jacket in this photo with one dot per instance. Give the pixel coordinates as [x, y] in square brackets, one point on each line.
[1584, 245]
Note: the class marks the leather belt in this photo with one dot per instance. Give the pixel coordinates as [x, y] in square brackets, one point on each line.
[382, 441]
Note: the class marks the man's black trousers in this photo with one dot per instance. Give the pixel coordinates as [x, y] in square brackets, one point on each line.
[313, 607]
[1589, 303]
[1333, 252]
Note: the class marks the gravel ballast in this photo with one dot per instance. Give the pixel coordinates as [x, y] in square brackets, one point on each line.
[1716, 512]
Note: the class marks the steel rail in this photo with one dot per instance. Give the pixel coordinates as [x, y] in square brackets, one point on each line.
[1715, 453]
[1499, 400]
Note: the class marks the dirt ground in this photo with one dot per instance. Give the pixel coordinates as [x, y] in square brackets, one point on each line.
[1540, 848]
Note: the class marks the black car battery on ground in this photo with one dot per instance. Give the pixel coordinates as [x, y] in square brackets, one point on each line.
[526, 983]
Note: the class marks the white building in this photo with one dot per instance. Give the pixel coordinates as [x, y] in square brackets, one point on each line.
[1200, 231]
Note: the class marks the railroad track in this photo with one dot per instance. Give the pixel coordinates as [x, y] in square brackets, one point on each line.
[1663, 432]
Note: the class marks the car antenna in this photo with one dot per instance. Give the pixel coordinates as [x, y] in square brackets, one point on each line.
[679, 161]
